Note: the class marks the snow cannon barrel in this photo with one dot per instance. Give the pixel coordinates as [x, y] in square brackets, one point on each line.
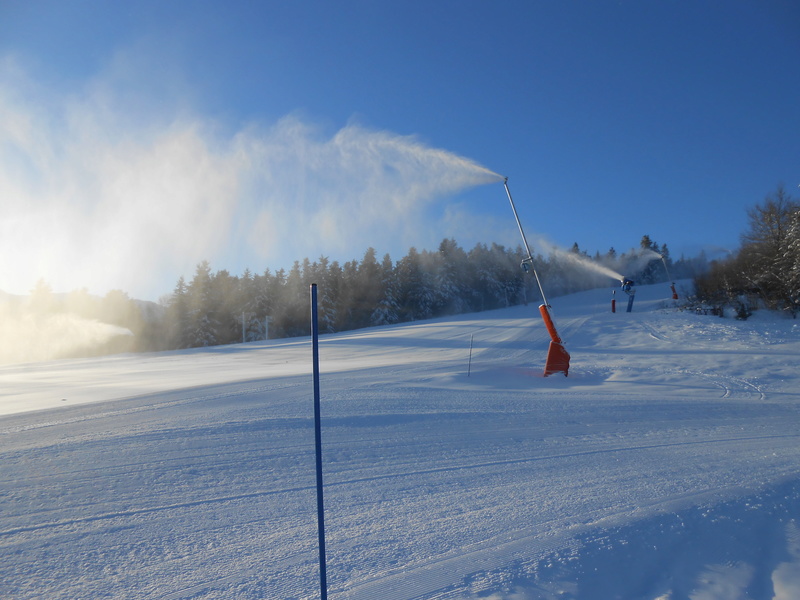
[548, 322]
[672, 287]
[557, 356]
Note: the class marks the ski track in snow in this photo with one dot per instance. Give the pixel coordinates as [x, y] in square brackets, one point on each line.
[664, 467]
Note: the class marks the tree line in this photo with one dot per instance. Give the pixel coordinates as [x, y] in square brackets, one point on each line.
[217, 307]
[766, 268]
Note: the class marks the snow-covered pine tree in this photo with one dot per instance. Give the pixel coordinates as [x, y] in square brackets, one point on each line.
[329, 277]
[386, 310]
[450, 276]
[202, 320]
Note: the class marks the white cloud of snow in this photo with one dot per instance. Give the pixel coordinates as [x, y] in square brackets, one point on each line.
[29, 337]
[106, 191]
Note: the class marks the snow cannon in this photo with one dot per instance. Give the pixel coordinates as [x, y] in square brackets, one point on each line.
[672, 286]
[557, 355]
[627, 285]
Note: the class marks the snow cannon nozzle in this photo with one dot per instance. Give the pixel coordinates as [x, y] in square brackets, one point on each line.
[505, 180]
[627, 284]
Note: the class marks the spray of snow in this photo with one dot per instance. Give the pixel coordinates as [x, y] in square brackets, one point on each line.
[26, 336]
[543, 245]
[585, 263]
[640, 258]
[101, 194]
[628, 263]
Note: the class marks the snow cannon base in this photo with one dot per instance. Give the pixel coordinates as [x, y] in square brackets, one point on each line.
[557, 360]
[557, 356]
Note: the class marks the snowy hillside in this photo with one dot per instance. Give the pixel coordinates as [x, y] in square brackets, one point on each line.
[666, 466]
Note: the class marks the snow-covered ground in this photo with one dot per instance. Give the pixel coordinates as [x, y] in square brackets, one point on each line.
[666, 466]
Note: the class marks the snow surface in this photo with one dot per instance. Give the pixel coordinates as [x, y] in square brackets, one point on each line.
[666, 466]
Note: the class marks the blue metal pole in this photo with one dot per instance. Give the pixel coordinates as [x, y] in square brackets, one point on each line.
[323, 575]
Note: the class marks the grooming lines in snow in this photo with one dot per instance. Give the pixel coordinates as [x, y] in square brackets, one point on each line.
[557, 355]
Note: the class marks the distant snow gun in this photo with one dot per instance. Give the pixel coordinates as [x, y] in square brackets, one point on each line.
[627, 287]
[557, 355]
[672, 285]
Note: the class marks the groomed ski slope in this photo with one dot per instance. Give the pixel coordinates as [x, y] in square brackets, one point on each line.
[666, 466]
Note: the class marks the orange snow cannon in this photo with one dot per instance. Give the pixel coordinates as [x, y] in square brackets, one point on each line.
[557, 355]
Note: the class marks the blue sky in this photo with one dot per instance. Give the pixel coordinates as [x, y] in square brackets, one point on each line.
[139, 138]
